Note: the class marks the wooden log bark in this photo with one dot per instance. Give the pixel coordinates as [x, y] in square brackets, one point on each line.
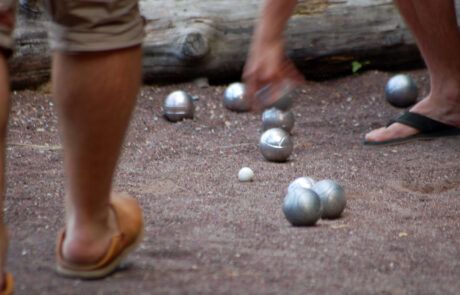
[204, 38]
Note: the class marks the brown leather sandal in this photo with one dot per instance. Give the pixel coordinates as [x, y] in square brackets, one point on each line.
[9, 285]
[130, 224]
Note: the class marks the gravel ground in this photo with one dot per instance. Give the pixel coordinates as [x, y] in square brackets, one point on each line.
[207, 233]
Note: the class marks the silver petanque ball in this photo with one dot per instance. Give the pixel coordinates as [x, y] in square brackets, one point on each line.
[401, 91]
[276, 145]
[234, 98]
[178, 105]
[275, 118]
[302, 207]
[304, 182]
[284, 99]
[332, 198]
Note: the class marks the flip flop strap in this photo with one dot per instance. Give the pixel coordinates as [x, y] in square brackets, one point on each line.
[421, 123]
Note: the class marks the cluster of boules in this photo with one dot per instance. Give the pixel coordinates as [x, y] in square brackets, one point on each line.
[276, 144]
[307, 201]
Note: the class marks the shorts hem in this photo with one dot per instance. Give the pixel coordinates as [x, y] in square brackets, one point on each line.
[94, 47]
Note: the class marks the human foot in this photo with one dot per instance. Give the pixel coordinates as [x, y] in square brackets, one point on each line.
[446, 111]
[87, 243]
[123, 233]
[7, 285]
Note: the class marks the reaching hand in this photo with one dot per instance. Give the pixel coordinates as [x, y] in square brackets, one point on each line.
[267, 65]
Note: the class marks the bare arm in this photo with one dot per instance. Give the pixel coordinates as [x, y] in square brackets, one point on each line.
[266, 63]
[273, 18]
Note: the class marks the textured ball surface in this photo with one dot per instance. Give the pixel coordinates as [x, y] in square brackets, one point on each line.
[245, 174]
[234, 98]
[178, 105]
[302, 207]
[401, 91]
[275, 118]
[276, 145]
[332, 198]
[301, 182]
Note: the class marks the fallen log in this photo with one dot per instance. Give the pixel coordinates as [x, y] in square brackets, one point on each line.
[203, 38]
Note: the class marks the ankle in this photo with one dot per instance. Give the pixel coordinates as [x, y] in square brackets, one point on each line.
[83, 251]
[87, 242]
[446, 91]
[86, 230]
[84, 221]
[85, 247]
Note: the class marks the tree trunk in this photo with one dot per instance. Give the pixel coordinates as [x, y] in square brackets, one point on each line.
[204, 38]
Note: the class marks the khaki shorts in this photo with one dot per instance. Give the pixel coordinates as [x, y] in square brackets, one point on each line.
[82, 25]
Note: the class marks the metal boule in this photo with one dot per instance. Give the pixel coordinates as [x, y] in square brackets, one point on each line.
[332, 197]
[301, 182]
[235, 99]
[401, 91]
[178, 105]
[275, 118]
[276, 145]
[302, 207]
[284, 99]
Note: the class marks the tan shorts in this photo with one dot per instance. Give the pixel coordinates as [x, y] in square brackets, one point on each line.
[82, 25]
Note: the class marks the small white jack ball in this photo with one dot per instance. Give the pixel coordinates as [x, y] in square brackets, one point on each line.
[246, 174]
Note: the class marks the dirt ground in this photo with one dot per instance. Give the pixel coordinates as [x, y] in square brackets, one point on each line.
[207, 233]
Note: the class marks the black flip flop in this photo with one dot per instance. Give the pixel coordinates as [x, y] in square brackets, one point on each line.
[428, 129]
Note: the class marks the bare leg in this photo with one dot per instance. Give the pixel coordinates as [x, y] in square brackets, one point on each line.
[435, 28]
[4, 109]
[95, 95]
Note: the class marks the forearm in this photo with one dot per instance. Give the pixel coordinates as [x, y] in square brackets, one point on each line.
[273, 19]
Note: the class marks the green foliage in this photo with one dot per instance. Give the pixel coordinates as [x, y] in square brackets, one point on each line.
[357, 65]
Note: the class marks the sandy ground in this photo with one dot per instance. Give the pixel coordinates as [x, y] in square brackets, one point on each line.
[206, 233]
